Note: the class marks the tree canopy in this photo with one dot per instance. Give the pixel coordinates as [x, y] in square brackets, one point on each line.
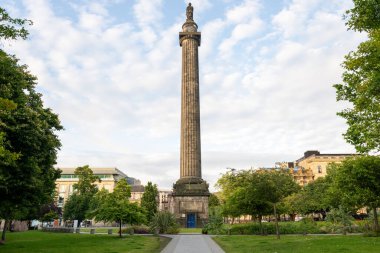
[361, 79]
[358, 182]
[28, 143]
[78, 203]
[149, 200]
[115, 207]
[12, 28]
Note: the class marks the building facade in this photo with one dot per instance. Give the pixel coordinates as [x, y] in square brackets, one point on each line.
[108, 176]
[312, 165]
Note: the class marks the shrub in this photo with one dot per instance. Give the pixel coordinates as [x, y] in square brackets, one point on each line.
[215, 222]
[142, 229]
[58, 230]
[164, 223]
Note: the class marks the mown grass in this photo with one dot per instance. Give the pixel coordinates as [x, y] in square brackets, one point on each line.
[44, 242]
[299, 244]
[101, 230]
[190, 230]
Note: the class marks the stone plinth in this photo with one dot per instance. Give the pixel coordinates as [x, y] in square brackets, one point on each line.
[183, 206]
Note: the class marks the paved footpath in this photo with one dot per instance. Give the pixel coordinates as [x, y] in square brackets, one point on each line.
[190, 243]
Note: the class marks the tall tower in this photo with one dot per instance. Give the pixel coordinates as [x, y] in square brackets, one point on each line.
[190, 192]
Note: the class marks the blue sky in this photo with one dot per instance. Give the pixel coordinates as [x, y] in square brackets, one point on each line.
[111, 70]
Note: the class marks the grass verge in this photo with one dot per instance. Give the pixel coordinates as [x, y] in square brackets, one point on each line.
[299, 244]
[190, 230]
[43, 242]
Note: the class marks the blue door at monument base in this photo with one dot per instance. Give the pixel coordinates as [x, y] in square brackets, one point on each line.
[191, 220]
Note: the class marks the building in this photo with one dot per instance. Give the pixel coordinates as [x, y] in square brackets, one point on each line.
[108, 176]
[311, 166]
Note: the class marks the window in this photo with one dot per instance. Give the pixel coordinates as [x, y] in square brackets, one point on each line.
[319, 169]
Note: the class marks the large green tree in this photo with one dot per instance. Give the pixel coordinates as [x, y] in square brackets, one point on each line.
[273, 187]
[357, 181]
[78, 203]
[361, 79]
[149, 200]
[28, 140]
[115, 207]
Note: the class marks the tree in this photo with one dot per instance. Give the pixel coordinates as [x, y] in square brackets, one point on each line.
[149, 200]
[213, 200]
[364, 16]
[361, 79]
[78, 203]
[12, 28]
[274, 186]
[29, 143]
[115, 207]
[358, 182]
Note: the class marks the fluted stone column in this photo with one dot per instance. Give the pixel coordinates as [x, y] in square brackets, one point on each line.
[190, 167]
[189, 200]
[190, 181]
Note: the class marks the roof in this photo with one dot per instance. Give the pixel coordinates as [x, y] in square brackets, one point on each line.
[319, 155]
[137, 188]
[112, 171]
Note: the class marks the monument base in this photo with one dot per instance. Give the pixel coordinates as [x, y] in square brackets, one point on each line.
[189, 202]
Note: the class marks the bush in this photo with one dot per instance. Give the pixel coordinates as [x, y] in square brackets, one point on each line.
[215, 222]
[142, 229]
[164, 223]
[58, 230]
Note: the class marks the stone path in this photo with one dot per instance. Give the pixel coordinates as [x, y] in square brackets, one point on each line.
[190, 243]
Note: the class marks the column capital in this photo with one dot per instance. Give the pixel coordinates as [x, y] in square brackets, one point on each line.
[190, 35]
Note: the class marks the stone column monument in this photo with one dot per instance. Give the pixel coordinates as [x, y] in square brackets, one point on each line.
[189, 200]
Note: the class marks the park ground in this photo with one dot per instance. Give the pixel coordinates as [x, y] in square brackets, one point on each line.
[44, 242]
[299, 244]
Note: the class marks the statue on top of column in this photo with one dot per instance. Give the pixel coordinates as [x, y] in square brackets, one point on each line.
[189, 12]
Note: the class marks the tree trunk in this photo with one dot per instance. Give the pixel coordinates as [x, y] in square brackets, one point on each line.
[6, 222]
[120, 229]
[261, 224]
[276, 220]
[375, 221]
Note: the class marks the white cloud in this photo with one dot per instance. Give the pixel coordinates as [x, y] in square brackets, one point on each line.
[246, 23]
[266, 92]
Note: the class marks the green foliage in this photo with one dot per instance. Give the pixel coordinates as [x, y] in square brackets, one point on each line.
[80, 201]
[364, 16]
[361, 79]
[115, 207]
[76, 207]
[28, 143]
[312, 198]
[213, 200]
[358, 182]
[50, 216]
[149, 200]
[12, 28]
[86, 181]
[164, 223]
[215, 221]
[341, 216]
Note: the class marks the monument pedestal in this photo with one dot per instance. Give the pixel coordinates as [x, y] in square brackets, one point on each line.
[189, 202]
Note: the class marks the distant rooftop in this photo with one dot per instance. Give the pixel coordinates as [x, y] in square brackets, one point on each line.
[111, 171]
[316, 153]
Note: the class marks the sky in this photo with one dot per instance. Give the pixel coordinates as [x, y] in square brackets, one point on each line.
[111, 70]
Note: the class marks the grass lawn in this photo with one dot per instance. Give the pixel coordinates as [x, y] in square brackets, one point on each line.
[299, 244]
[44, 242]
[101, 230]
[190, 230]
